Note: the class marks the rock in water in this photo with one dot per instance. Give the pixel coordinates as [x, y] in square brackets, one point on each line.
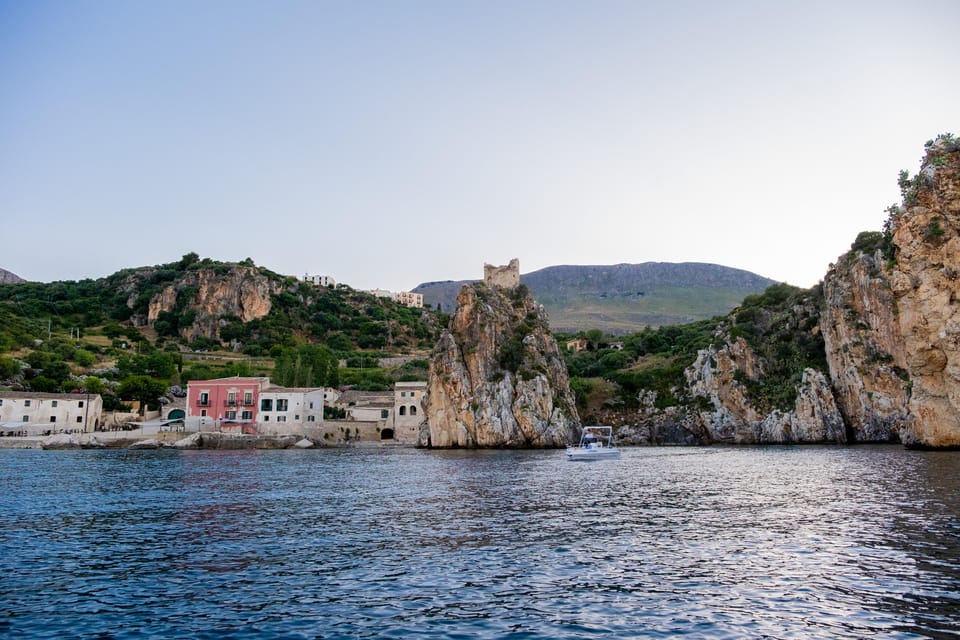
[497, 378]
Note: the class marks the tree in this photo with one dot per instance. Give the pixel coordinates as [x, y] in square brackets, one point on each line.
[142, 388]
[93, 384]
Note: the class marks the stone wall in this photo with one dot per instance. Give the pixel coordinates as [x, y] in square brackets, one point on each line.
[507, 276]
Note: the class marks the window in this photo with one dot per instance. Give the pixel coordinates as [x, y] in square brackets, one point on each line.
[53, 418]
[53, 403]
[231, 415]
[311, 418]
[25, 419]
[403, 411]
[266, 418]
[413, 411]
[247, 398]
[281, 404]
[26, 403]
[266, 404]
[1, 402]
[204, 399]
[403, 394]
[384, 413]
[296, 417]
[79, 418]
[311, 405]
[203, 413]
[80, 404]
[246, 415]
[281, 418]
[231, 398]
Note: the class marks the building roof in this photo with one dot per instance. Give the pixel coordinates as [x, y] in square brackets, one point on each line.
[365, 398]
[233, 379]
[278, 389]
[39, 395]
[407, 385]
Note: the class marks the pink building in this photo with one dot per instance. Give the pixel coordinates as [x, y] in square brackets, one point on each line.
[226, 404]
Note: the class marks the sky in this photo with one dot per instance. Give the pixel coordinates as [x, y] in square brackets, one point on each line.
[390, 143]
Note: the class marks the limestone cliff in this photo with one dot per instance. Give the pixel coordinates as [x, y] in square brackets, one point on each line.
[884, 326]
[865, 352]
[723, 376]
[210, 294]
[925, 280]
[8, 277]
[496, 376]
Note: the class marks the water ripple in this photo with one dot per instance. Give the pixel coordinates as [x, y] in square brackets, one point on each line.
[778, 542]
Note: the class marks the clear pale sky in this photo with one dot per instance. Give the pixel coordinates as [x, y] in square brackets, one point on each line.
[391, 143]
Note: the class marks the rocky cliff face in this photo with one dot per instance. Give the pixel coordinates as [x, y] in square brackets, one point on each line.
[496, 376]
[925, 281]
[8, 277]
[865, 352]
[889, 318]
[242, 291]
[722, 376]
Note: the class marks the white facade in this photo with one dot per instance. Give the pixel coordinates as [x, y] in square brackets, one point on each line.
[320, 281]
[287, 411]
[26, 413]
[410, 299]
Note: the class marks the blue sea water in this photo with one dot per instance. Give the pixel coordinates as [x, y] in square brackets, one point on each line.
[775, 542]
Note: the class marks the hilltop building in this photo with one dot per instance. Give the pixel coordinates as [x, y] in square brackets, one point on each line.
[410, 299]
[320, 281]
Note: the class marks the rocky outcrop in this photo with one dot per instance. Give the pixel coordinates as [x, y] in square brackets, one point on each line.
[925, 280]
[8, 277]
[240, 291]
[719, 375]
[496, 376]
[865, 352]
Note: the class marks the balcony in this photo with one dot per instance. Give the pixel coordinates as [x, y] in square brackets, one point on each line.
[203, 402]
[229, 403]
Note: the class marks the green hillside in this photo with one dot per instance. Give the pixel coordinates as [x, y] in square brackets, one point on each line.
[624, 298]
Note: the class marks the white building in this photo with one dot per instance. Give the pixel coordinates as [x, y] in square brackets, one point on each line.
[287, 411]
[27, 413]
[410, 299]
[320, 281]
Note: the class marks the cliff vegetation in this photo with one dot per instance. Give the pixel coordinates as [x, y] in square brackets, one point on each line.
[872, 354]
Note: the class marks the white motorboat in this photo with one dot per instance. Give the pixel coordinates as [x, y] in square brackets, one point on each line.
[596, 443]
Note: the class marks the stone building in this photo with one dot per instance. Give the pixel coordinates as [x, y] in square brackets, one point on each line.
[408, 410]
[507, 276]
[410, 299]
[27, 413]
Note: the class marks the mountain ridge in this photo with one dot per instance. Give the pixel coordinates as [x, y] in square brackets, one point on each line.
[624, 297]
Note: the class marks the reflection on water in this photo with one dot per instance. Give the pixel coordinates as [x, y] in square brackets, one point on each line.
[716, 542]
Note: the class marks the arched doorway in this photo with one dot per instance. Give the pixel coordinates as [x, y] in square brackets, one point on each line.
[176, 414]
[386, 434]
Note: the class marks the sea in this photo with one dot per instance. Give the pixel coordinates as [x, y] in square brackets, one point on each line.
[712, 542]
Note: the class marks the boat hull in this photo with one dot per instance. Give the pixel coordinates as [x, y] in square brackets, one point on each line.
[586, 455]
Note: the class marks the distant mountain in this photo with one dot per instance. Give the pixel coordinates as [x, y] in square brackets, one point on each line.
[7, 277]
[623, 298]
